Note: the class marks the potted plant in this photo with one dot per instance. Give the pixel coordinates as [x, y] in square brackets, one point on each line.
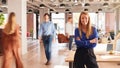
[31, 33]
[2, 18]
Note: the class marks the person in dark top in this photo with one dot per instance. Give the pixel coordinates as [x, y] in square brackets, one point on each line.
[85, 39]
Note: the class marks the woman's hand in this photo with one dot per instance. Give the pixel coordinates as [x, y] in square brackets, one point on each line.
[93, 40]
[77, 38]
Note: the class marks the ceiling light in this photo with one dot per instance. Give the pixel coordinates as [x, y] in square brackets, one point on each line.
[99, 9]
[51, 10]
[96, 12]
[30, 10]
[57, 12]
[42, 6]
[70, 12]
[105, 4]
[85, 9]
[87, 4]
[67, 10]
[62, 5]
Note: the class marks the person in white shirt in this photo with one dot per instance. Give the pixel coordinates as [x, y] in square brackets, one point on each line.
[69, 31]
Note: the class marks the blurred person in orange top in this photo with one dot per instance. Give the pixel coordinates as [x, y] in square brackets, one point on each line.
[11, 43]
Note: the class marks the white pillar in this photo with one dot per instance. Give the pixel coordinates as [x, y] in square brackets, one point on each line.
[34, 25]
[19, 7]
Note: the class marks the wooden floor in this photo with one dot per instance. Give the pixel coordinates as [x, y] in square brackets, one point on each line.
[35, 58]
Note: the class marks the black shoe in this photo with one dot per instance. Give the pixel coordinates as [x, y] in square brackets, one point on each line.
[48, 63]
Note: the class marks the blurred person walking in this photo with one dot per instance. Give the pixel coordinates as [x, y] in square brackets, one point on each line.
[11, 43]
[69, 31]
[47, 34]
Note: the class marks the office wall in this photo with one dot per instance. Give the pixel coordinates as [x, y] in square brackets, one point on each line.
[30, 21]
[110, 22]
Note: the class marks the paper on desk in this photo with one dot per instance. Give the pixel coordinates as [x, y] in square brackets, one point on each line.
[109, 57]
[100, 49]
[60, 66]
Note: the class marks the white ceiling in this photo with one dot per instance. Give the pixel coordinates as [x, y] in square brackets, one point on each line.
[76, 5]
[72, 5]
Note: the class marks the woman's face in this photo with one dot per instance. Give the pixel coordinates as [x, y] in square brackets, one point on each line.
[84, 19]
[13, 18]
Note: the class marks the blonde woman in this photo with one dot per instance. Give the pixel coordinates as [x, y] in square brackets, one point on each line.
[11, 43]
[85, 39]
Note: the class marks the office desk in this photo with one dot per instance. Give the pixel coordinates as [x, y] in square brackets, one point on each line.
[100, 58]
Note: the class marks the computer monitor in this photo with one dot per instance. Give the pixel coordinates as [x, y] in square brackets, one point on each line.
[109, 47]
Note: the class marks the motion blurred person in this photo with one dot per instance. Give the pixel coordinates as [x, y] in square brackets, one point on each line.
[47, 34]
[69, 31]
[11, 43]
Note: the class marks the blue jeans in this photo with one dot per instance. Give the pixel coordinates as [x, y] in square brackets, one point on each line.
[47, 41]
[70, 42]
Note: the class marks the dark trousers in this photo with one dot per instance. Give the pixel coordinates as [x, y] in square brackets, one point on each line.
[70, 42]
[85, 57]
[47, 41]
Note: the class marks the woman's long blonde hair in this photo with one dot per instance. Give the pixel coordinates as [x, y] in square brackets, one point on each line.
[10, 26]
[89, 27]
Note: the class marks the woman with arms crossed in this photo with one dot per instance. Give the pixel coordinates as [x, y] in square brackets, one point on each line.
[85, 39]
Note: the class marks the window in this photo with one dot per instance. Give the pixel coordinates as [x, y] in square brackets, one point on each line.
[97, 20]
[59, 21]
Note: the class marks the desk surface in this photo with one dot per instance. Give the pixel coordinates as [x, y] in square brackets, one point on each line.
[100, 58]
